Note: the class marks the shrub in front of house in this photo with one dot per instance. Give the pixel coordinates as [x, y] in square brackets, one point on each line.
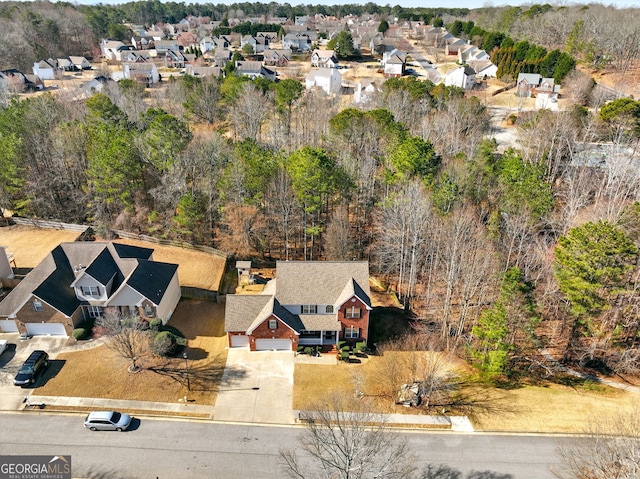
[155, 324]
[165, 343]
[80, 333]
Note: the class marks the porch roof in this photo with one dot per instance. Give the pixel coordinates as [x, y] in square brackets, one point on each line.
[320, 322]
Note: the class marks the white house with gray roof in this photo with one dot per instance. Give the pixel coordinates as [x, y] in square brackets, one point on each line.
[308, 303]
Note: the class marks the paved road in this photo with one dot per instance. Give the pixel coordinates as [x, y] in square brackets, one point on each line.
[193, 450]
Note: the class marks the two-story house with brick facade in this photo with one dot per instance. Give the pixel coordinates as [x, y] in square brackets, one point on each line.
[308, 303]
[88, 279]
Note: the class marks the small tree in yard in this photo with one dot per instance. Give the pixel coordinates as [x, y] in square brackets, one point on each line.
[127, 336]
[344, 440]
[611, 450]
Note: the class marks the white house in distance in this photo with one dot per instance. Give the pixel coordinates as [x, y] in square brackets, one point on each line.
[328, 79]
[462, 77]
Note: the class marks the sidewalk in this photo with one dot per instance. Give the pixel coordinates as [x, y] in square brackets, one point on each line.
[453, 423]
[146, 407]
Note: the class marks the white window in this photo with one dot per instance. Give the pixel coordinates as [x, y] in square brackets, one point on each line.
[90, 291]
[351, 333]
[37, 305]
[309, 309]
[148, 311]
[94, 311]
[273, 324]
[133, 311]
[352, 312]
[329, 309]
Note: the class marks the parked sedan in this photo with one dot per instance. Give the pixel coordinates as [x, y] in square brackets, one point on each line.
[107, 421]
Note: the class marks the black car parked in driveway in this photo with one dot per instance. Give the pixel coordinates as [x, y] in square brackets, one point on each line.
[32, 367]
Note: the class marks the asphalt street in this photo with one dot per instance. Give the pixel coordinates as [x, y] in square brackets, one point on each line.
[179, 449]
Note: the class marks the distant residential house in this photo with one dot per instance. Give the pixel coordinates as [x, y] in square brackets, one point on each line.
[15, 81]
[46, 69]
[472, 53]
[462, 77]
[204, 71]
[165, 45]
[297, 42]
[186, 40]
[222, 56]
[327, 79]
[142, 43]
[82, 280]
[81, 63]
[96, 85]
[365, 90]
[324, 59]
[529, 84]
[173, 59]
[278, 58]
[66, 65]
[258, 44]
[113, 49]
[146, 73]
[254, 70]
[394, 62]
[136, 56]
[207, 44]
[453, 47]
[484, 68]
[309, 303]
[269, 37]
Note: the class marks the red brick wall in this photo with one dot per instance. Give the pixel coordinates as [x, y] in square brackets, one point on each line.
[362, 323]
[48, 315]
[281, 332]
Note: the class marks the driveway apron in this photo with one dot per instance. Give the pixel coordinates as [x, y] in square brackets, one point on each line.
[257, 386]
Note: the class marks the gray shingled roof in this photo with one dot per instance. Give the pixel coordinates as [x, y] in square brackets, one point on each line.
[318, 282]
[242, 310]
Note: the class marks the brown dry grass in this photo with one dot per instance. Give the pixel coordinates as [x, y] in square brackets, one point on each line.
[197, 269]
[551, 408]
[101, 373]
[31, 245]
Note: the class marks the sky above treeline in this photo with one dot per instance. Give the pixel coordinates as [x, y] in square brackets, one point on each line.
[402, 3]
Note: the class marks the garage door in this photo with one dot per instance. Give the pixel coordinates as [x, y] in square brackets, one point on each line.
[239, 341]
[271, 344]
[8, 326]
[39, 329]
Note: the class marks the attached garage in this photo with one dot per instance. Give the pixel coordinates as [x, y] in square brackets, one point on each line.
[41, 329]
[273, 344]
[8, 326]
[239, 341]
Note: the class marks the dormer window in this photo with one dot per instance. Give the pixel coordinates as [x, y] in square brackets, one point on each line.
[90, 291]
[329, 309]
[37, 305]
[309, 309]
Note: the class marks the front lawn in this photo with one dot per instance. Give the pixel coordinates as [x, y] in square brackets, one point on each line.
[545, 408]
[101, 373]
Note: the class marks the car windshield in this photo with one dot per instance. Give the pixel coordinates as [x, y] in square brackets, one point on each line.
[115, 418]
[26, 370]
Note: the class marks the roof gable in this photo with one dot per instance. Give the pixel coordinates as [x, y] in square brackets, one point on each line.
[55, 289]
[151, 279]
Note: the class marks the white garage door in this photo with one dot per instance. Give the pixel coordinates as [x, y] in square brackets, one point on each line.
[239, 341]
[271, 344]
[54, 329]
[8, 326]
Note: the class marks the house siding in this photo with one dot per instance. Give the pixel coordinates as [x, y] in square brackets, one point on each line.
[169, 300]
[362, 322]
[27, 314]
[281, 332]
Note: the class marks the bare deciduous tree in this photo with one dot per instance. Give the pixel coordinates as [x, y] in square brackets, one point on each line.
[611, 450]
[127, 337]
[344, 440]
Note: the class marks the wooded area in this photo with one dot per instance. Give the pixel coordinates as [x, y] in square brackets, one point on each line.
[497, 252]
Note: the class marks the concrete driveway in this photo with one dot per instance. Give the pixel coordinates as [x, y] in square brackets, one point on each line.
[257, 386]
[11, 396]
